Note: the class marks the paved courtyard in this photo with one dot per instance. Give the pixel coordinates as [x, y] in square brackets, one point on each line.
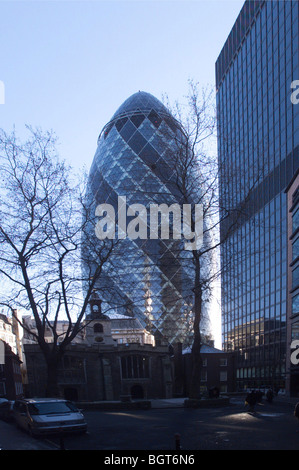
[270, 426]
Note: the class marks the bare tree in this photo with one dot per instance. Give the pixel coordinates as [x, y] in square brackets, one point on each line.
[194, 170]
[45, 233]
[194, 179]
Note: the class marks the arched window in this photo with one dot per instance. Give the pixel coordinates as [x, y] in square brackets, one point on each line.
[98, 328]
[135, 367]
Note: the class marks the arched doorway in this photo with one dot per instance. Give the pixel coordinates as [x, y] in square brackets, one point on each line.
[137, 392]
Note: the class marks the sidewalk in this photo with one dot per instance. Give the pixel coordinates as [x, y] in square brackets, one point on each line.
[12, 438]
[168, 403]
[179, 402]
[288, 400]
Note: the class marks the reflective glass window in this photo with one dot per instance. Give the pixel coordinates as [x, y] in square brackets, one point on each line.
[295, 249]
[296, 219]
[295, 277]
[295, 304]
[154, 118]
[295, 331]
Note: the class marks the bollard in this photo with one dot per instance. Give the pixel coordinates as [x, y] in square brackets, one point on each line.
[61, 440]
[177, 437]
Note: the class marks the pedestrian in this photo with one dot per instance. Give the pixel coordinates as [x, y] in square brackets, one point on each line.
[251, 401]
[269, 395]
[259, 396]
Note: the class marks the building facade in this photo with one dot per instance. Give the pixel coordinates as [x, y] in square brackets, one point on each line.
[292, 371]
[217, 371]
[11, 385]
[104, 372]
[7, 333]
[258, 128]
[147, 276]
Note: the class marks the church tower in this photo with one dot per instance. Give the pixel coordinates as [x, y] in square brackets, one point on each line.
[98, 326]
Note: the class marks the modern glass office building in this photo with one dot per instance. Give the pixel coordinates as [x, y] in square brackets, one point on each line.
[258, 156]
[150, 278]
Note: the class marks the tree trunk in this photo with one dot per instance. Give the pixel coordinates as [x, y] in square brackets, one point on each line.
[194, 391]
[52, 388]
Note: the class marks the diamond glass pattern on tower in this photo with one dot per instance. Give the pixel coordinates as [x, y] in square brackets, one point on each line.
[150, 279]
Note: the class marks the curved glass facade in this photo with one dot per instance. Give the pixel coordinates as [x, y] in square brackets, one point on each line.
[150, 279]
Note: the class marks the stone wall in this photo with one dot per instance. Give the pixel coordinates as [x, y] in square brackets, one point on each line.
[105, 372]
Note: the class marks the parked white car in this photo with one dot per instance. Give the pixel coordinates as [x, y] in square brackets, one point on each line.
[48, 415]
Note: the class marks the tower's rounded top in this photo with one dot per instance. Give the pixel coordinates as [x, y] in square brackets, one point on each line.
[140, 102]
[137, 107]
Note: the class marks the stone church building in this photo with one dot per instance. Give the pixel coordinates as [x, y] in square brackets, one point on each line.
[104, 368]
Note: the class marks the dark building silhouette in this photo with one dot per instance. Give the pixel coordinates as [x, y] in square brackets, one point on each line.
[11, 386]
[217, 371]
[104, 371]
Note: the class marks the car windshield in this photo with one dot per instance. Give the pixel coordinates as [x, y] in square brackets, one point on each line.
[47, 408]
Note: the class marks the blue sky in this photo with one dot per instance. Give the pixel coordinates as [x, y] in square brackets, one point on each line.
[68, 65]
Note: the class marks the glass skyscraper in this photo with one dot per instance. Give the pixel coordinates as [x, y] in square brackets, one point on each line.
[150, 279]
[258, 141]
